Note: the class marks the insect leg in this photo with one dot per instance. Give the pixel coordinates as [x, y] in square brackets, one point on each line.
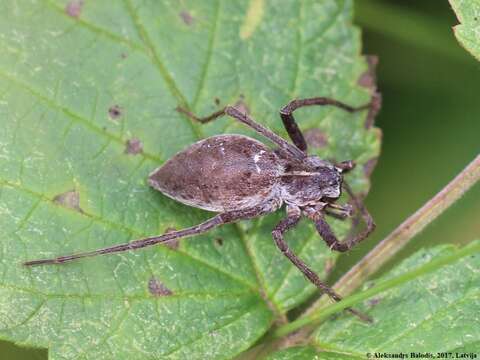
[204, 119]
[247, 120]
[327, 234]
[220, 219]
[286, 113]
[283, 226]
[339, 212]
[360, 206]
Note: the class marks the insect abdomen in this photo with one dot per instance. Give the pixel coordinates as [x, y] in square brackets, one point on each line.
[220, 173]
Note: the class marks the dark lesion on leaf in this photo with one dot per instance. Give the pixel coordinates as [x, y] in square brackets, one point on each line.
[369, 166]
[69, 199]
[369, 80]
[316, 138]
[219, 241]
[74, 8]
[374, 301]
[115, 111]
[157, 288]
[133, 146]
[186, 17]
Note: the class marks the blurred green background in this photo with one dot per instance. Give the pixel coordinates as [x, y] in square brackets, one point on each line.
[430, 121]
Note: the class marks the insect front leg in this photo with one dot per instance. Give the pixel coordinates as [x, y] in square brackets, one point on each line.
[340, 212]
[292, 219]
[286, 113]
[247, 120]
[364, 213]
[326, 232]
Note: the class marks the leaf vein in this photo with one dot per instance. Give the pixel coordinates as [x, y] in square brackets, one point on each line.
[202, 334]
[431, 317]
[76, 117]
[211, 46]
[162, 69]
[109, 333]
[175, 296]
[98, 30]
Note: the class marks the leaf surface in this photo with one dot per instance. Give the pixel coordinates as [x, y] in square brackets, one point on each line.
[81, 82]
[436, 312]
[468, 32]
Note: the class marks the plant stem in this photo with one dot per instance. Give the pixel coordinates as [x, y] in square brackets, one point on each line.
[385, 285]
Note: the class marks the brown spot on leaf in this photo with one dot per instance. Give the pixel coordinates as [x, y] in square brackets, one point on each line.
[74, 8]
[375, 107]
[123, 55]
[217, 101]
[157, 288]
[374, 301]
[133, 146]
[174, 243]
[187, 18]
[219, 241]
[316, 138]
[115, 111]
[369, 80]
[69, 199]
[369, 166]
[242, 106]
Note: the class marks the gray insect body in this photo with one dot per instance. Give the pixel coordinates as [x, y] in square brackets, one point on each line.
[241, 178]
[310, 182]
[221, 173]
[234, 172]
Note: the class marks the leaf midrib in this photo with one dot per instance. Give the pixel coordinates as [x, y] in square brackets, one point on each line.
[132, 298]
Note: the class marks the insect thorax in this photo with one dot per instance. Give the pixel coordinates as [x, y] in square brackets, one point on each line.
[303, 185]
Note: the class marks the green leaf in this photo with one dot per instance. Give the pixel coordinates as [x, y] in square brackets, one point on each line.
[294, 353]
[468, 32]
[437, 312]
[80, 83]
[306, 353]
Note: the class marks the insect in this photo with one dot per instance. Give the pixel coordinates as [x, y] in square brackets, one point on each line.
[241, 178]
